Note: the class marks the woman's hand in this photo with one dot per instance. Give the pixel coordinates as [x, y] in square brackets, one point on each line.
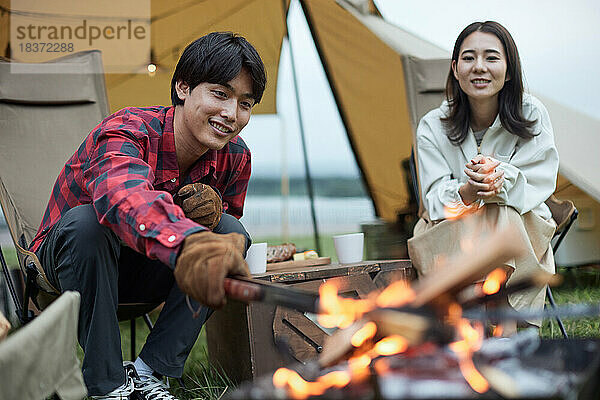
[484, 181]
[486, 185]
[483, 164]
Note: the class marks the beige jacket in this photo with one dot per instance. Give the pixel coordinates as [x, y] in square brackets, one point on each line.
[530, 166]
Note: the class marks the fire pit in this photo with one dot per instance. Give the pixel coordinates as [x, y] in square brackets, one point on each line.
[429, 341]
[523, 367]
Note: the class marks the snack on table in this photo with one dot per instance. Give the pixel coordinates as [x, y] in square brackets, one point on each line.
[283, 252]
[307, 255]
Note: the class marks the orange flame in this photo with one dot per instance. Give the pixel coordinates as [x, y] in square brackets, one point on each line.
[472, 376]
[457, 209]
[454, 313]
[359, 366]
[390, 345]
[382, 366]
[471, 341]
[363, 334]
[498, 330]
[334, 379]
[494, 280]
[396, 294]
[300, 388]
[337, 311]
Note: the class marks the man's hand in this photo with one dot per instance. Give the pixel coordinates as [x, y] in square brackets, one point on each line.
[205, 260]
[200, 203]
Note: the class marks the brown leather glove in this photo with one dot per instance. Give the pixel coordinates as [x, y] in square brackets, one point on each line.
[204, 261]
[200, 203]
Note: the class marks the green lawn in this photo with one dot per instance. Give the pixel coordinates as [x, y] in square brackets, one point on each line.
[203, 381]
[581, 285]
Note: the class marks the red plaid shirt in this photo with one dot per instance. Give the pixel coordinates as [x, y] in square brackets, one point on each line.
[127, 169]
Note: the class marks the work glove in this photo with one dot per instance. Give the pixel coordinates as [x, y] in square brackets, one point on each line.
[206, 258]
[200, 203]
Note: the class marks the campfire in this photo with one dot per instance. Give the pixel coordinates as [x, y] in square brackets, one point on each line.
[417, 342]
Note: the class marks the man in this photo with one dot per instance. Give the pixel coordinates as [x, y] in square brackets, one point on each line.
[131, 213]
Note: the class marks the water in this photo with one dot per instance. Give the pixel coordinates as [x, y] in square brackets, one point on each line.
[263, 215]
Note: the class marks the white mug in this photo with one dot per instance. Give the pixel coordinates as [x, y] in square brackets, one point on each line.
[256, 257]
[349, 248]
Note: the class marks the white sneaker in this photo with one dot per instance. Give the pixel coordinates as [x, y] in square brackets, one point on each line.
[151, 388]
[125, 391]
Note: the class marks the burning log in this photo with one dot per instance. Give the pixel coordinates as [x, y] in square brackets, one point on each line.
[480, 296]
[441, 286]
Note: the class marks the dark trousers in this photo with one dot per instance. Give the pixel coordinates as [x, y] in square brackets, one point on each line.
[82, 255]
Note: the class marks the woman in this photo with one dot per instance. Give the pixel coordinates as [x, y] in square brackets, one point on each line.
[488, 147]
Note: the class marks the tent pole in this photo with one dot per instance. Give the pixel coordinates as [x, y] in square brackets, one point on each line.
[309, 185]
[285, 184]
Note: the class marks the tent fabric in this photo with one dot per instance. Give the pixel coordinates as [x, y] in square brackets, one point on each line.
[400, 40]
[174, 26]
[577, 138]
[426, 85]
[366, 77]
[31, 123]
[41, 358]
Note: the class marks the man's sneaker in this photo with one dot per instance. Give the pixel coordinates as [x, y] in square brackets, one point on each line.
[125, 392]
[151, 388]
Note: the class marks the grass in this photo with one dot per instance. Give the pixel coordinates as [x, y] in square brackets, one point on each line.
[204, 381]
[581, 285]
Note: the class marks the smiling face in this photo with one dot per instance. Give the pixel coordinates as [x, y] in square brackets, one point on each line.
[481, 66]
[212, 114]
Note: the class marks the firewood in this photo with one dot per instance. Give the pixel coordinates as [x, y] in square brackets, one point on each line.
[414, 325]
[537, 279]
[338, 345]
[467, 268]
[411, 326]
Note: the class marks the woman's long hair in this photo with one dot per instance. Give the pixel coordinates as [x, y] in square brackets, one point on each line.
[510, 97]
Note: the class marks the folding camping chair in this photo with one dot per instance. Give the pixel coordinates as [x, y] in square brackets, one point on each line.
[564, 214]
[46, 110]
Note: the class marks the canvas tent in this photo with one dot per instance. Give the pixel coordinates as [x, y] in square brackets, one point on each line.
[362, 55]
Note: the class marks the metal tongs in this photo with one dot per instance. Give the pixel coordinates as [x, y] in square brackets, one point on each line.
[248, 290]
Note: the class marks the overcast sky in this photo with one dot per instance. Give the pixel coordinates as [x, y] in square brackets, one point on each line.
[558, 42]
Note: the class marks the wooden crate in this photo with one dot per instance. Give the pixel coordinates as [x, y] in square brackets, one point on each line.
[242, 338]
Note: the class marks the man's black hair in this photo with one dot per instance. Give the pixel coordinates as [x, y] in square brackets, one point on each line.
[218, 58]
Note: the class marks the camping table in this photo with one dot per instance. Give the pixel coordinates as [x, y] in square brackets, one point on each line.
[241, 338]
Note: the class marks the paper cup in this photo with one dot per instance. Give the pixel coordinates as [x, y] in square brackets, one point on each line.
[256, 257]
[349, 248]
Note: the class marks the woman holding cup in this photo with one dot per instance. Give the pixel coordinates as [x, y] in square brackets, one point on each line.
[488, 147]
